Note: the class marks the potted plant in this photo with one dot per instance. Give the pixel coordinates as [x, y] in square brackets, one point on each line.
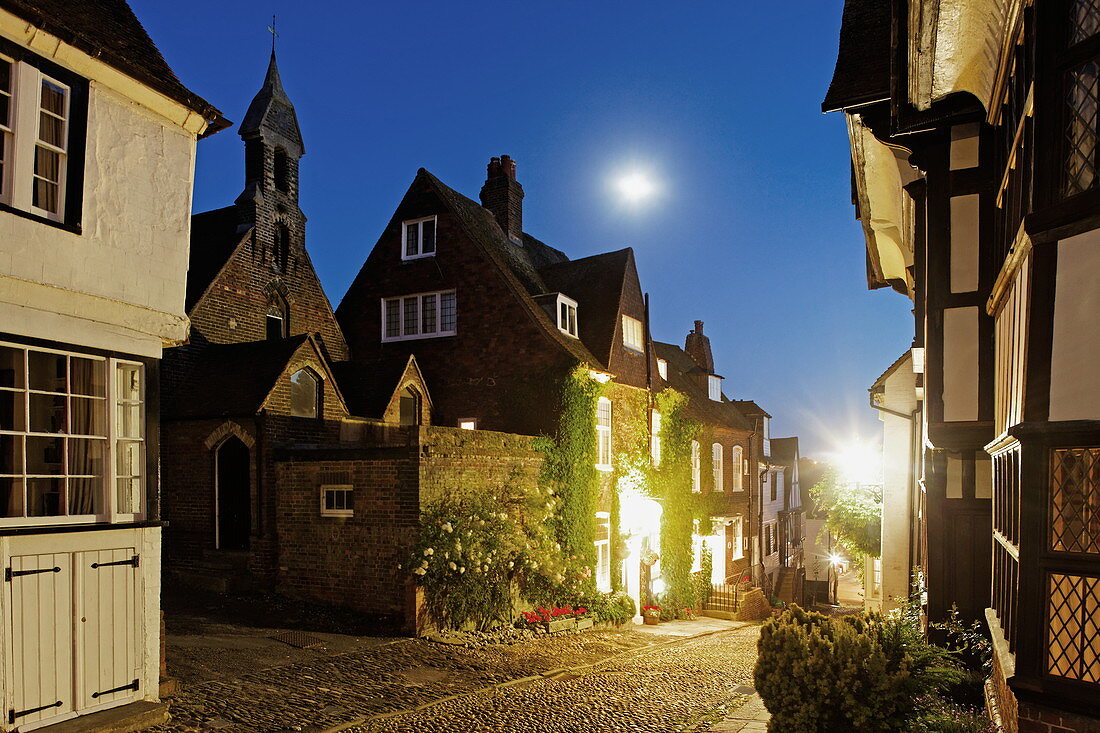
[651, 615]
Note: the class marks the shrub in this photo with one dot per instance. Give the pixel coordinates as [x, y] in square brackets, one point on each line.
[940, 716]
[862, 673]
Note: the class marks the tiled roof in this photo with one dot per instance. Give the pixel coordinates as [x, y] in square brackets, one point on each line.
[109, 31]
[596, 283]
[369, 385]
[214, 238]
[862, 72]
[228, 380]
[784, 450]
[890, 369]
[748, 407]
[700, 406]
[513, 262]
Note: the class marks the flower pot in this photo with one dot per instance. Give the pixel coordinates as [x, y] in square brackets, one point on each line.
[652, 620]
[584, 623]
[561, 624]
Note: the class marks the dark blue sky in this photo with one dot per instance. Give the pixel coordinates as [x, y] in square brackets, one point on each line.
[752, 230]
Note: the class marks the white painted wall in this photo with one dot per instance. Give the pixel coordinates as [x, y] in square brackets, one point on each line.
[960, 364]
[898, 479]
[964, 243]
[1074, 388]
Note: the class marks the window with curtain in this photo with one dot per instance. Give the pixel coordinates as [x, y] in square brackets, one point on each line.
[737, 469]
[603, 434]
[57, 454]
[716, 467]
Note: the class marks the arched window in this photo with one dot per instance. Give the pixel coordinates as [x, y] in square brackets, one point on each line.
[280, 250]
[305, 394]
[409, 404]
[716, 467]
[737, 470]
[278, 321]
[282, 170]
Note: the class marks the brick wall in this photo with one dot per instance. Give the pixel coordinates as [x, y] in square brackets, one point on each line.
[353, 560]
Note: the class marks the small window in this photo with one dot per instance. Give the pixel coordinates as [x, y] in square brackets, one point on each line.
[425, 315]
[276, 323]
[50, 151]
[567, 316]
[603, 434]
[662, 369]
[418, 236]
[305, 394]
[632, 333]
[409, 407]
[716, 466]
[773, 484]
[714, 387]
[338, 501]
[282, 170]
[695, 467]
[468, 423]
[737, 539]
[655, 438]
[737, 469]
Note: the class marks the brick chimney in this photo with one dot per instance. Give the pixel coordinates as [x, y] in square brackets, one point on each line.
[697, 347]
[503, 195]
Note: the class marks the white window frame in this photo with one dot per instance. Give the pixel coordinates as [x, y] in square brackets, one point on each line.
[349, 493]
[655, 437]
[696, 484]
[632, 327]
[467, 423]
[109, 484]
[602, 571]
[7, 134]
[716, 469]
[738, 541]
[571, 306]
[604, 447]
[737, 468]
[402, 301]
[418, 223]
[662, 368]
[714, 387]
[62, 152]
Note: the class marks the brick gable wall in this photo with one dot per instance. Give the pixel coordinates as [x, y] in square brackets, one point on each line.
[499, 365]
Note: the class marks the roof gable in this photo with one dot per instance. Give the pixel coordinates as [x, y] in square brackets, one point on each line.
[682, 372]
[371, 386]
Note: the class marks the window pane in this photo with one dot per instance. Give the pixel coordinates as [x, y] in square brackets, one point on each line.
[427, 229]
[428, 315]
[45, 195]
[88, 416]
[411, 244]
[11, 497]
[5, 77]
[53, 99]
[129, 495]
[51, 129]
[411, 316]
[393, 318]
[11, 454]
[1085, 20]
[47, 413]
[128, 420]
[11, 410]
[86, 377]
[128, 459]
[303, 394]
[1083, 100]
[86, 495]
[448, 313]
[11, 367]
[44, 497]
[128, 382]
[86, 457]
[47, 371]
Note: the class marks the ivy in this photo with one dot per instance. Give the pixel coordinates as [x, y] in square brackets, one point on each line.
[672, 486]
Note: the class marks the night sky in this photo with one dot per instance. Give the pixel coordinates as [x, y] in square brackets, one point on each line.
[750, 230]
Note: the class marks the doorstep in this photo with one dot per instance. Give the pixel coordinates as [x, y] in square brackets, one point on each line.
[124, 719]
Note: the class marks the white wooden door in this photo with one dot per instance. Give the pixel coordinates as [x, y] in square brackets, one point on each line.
[107, 656]
[39, 594]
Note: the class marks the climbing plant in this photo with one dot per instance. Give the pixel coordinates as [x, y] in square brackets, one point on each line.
[672, 486]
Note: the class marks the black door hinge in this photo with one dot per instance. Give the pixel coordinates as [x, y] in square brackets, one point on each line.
[132, 561]
[9, 574]
[132, 686]
[12, 715]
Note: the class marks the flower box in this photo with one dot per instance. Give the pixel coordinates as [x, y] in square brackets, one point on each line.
[652, 620]
[584, 623]
[561, 624]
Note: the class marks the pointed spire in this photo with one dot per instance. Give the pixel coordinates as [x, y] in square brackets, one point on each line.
[271, 111]
[272, 80]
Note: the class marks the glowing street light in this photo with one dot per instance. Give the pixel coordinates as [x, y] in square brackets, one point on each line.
[859, 463]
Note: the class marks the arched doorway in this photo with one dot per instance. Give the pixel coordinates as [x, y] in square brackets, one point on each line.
[233, 495]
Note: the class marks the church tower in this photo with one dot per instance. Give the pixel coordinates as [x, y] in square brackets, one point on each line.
[272, 149]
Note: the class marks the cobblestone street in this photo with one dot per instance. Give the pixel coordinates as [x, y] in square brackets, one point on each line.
[598, 681]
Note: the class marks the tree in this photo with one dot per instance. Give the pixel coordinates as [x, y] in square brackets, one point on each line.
[853, 513]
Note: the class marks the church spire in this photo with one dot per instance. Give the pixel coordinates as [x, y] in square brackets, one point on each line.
[271, 113]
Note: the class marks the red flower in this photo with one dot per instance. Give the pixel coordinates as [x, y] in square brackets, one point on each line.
[579, 611]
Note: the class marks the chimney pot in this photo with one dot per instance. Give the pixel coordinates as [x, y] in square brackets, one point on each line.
[502, 195]
[698, 327]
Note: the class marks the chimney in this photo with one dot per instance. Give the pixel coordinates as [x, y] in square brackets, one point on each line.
[697, 347]
[503, 196]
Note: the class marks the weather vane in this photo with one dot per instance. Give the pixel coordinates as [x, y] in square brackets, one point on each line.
[271, 30]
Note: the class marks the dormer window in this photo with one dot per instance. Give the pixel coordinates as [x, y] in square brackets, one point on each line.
[662, 369]
[632, 333]
[567, 316]
[714, 387]
[419, 238]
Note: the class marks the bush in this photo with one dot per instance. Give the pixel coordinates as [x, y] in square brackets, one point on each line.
[939, 716]
[862, 673]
